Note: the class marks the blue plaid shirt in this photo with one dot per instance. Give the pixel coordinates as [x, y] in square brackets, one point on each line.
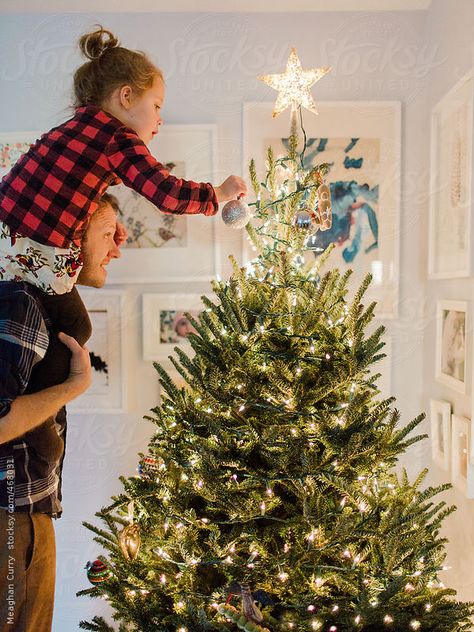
[31, 465]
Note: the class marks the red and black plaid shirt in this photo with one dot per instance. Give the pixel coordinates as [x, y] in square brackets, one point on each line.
[53, 189]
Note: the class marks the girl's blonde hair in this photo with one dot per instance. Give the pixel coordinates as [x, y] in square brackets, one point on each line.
[109, 67]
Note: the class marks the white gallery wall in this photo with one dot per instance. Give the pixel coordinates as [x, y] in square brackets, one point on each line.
[210, 62]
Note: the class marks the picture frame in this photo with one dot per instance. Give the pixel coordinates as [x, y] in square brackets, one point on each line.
[361, 139]
[440, 418]
[108, 392]
[462, 469]
[195, 256]
[453, 339]
[165, 326]
[12, 146]
[450, 217]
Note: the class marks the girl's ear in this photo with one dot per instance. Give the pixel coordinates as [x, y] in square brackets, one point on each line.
[126, 96]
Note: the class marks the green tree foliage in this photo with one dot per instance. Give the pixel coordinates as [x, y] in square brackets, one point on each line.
[273, 472]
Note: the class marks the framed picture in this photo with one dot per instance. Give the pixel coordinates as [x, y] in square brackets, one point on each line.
[164, 247]
[450, 183]
[108, 393]
[12, 146]
[441, 433]
[452, 344]
[361, 142]
[165, 324]
[461, 466]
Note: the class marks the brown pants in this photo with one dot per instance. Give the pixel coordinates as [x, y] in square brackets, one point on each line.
[27, 572]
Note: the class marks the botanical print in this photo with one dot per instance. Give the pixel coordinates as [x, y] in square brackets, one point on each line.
[147, 226]
[451, 182]
[175, 326]
[453, 344]
[354, 180]
[458, 150]
[451, 217]
[99, 352]
[9, 154]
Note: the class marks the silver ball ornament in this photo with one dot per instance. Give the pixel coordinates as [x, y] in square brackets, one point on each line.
[303, 220]
[236, 214]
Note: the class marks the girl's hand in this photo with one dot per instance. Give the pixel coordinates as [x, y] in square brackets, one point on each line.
[232, 188]
[121, 234]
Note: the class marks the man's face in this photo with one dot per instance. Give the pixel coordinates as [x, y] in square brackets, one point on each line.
[98, 247]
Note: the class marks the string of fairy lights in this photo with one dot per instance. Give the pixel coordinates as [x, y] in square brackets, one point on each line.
[366, 490]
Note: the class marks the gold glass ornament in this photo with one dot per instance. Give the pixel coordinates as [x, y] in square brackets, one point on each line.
[130, 541]
[324, 207]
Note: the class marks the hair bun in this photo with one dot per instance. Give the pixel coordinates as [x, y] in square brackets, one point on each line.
[93, 45]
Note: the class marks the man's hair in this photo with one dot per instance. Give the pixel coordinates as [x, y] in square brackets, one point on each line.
[108, 198]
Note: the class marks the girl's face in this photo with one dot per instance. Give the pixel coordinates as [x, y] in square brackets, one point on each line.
[143, 112]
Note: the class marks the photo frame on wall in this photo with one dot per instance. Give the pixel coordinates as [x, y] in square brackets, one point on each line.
[453, 344]
[108, 392]
[462, 469]
[450, 242]
[361, 141]
[12, 146]
[440, 413]
[165, 325]
[165, 247]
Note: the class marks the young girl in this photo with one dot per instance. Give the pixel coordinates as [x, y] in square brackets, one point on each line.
[47, 198]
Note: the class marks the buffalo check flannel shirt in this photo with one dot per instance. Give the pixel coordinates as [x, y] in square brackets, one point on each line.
[30, 480]
[52, 190]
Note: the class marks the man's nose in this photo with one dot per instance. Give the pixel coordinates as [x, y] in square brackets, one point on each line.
[115, 252]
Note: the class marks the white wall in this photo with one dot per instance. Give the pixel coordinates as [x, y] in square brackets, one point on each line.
[451, 25]
[211, 63]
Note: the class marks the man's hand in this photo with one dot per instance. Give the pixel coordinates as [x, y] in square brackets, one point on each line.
[232, 188]
[29, 411]
[121, 234]
[80, 374]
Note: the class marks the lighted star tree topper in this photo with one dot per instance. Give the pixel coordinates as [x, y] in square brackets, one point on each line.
[294, 84]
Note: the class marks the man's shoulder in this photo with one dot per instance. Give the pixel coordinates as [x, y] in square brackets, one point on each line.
[20, 302]
[21, 291]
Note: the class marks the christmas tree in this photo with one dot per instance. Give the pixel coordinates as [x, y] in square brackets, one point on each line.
[268, 499]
